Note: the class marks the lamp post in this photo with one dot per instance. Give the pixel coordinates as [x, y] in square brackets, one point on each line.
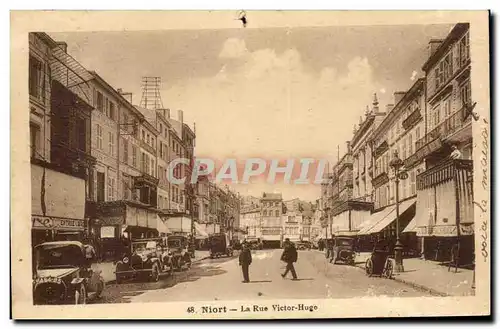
[399, 174]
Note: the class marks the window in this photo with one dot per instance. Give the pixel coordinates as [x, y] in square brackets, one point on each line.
[36, 78]
[35, 141]
[112, 112]
[152, 168]
[111, 138]
[403, 152]
[125, 150]
[100, 102]
[417, 134]
[436, 115]
[143, 136]
[81, 134]
[465, 95]
[161, 128]
[277, 213]
[126, 186]
[447, 107]
[125, 119]
[147, 139]
[413, 183]
[464, 49]
[99, 137]
[410, 144]
[100, 186]
[134, 155]
[444, 70]
[145, 163]
[265, 213]
[111, 188]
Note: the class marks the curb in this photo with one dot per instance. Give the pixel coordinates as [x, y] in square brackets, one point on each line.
[414, 285]
[408, 283]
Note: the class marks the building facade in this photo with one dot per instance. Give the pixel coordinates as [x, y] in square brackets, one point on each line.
[60, 119]
[445, 214]
[272, 207]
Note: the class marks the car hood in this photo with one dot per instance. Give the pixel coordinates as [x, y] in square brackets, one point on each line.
[56, 272]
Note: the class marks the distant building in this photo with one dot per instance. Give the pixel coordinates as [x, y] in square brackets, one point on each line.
[272, 220]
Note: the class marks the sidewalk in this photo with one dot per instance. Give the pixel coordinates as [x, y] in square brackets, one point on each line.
[430, 276]
[108, 268]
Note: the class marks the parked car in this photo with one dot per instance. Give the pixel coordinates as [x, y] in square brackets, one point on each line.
[179, 247]
[62, 275]
[220, 245]
[255, 244]
[343, 250]
[304, 245]
[147, 258]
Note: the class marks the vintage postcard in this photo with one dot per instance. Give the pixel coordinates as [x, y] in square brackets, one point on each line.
[250, 164]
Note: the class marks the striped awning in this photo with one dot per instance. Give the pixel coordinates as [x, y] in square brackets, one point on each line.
[391, 217]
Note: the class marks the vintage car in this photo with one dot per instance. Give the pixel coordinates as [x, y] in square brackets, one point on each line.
[61, 275]
[179, 248]
[342, 250]
[219, 245]
[255, 244]
[304, 245]
[147, 258]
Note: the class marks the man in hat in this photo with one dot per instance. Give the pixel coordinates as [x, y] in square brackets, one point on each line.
[245, 261]
[289, 256]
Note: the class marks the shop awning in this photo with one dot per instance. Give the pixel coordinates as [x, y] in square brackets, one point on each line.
[179, 224]
[374, 219]
[391, 217]
[200, 231]
[412, 226]
[162, 227]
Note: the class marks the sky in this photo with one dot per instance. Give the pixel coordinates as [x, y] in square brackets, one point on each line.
[275, 93]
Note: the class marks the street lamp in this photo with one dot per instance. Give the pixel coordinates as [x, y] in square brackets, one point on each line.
[399, 174]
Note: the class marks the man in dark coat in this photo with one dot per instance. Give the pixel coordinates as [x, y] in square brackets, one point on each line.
[289, 256]
[245, 261]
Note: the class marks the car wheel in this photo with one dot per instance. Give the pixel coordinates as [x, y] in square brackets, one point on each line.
[155, 273]
[81, 295]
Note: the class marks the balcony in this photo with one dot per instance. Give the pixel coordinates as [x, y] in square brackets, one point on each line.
[450, 126]
[443, 172]
[381, 179]
[345, 162]
[148, 147]
[381, 149]
[145, 180]
[412, 119]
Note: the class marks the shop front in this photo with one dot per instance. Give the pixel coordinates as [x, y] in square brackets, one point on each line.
[445, 212]
[57, 205]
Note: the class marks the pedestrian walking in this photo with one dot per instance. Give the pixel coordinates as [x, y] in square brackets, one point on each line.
[245, 261]
[89, 253]
[289, 256]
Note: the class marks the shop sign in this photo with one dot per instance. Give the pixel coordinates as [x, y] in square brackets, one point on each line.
[439, 230]
[54, 223]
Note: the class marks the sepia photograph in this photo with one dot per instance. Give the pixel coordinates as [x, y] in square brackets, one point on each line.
[250, 170]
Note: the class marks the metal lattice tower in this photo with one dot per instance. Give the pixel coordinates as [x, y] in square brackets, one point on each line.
[151, 98]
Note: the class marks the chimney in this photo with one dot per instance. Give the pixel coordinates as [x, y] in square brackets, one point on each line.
[398, 95]
[388, 108]
[127, 96]
[434, 45]
[375, 103]
[180, 116]
[63, 45]
[348, 144]
[167, 113]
